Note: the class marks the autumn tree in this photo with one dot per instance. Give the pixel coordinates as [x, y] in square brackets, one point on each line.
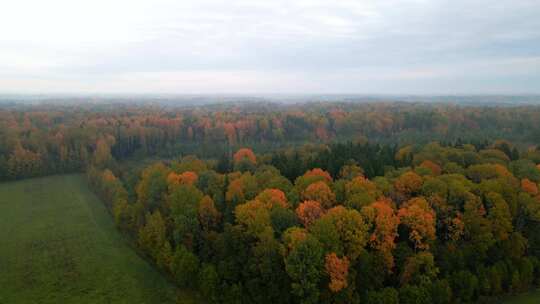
[434, 168]
[123, 214]
[456, 227]
[408, 184]
[360, 192]
[294, 236]
[310, 177]
[338, 270]
[477, 173]
[273, 197]
[230, 132]
[241, 188]
[308, 212]
[152, 186]
[320, 192]
[385, 224]
[209, 216]
[417, 215]
[244, 159]
[351, 171]
[529, 187]
[102, 154]
[404, 155]
[254, 216]
[188, 178]
[189, 163]
[23, 163]
[318, 172]
[343, 231]
[153, 239]
[270, 178]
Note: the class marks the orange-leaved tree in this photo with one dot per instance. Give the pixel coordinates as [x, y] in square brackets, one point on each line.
[433, 167]
[385, 225]
[308, 212]
[273, 197]
[529, 186]
[244, 159]
[417, 215]
[320, 192]
[209, 216]
[187, 178]
[338, 270]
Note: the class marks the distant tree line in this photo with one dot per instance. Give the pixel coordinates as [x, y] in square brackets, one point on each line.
[49, 139]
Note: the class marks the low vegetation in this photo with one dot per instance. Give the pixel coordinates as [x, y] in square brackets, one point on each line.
[526, 298]
[59, 245]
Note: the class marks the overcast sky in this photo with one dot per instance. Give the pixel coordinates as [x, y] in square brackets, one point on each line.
[271, 46]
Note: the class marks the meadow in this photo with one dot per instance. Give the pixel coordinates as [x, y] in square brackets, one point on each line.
[532, 297]
[59, 245]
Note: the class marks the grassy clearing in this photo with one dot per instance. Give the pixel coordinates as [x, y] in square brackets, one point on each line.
[58, 245]
[532, 297]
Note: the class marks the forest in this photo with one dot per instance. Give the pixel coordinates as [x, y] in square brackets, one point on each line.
[48, 139]
[306, 203]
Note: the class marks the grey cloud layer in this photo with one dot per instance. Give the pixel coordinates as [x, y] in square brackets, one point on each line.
[283, 46]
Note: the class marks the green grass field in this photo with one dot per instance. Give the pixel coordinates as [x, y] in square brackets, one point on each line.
[58, 244]
[532, 297]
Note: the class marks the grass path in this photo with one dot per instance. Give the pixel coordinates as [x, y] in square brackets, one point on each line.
[58, 244]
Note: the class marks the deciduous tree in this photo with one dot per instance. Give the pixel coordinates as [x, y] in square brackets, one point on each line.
[320, 192]
[338, 270]
[408, 184]
[308, 212]
[417, 215]
[209, 216]
[529, 187]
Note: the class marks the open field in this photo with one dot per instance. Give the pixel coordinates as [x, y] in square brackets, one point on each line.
[526, 298]
[59, 245]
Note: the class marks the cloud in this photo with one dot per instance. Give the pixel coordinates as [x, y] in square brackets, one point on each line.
[270, 46]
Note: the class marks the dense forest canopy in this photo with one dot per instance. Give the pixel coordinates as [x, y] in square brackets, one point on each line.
[45, 139]
[307, 203]
[440, 224]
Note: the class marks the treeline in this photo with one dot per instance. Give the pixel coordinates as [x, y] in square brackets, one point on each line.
[441, 224]
[373, 158]
[48, 139]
